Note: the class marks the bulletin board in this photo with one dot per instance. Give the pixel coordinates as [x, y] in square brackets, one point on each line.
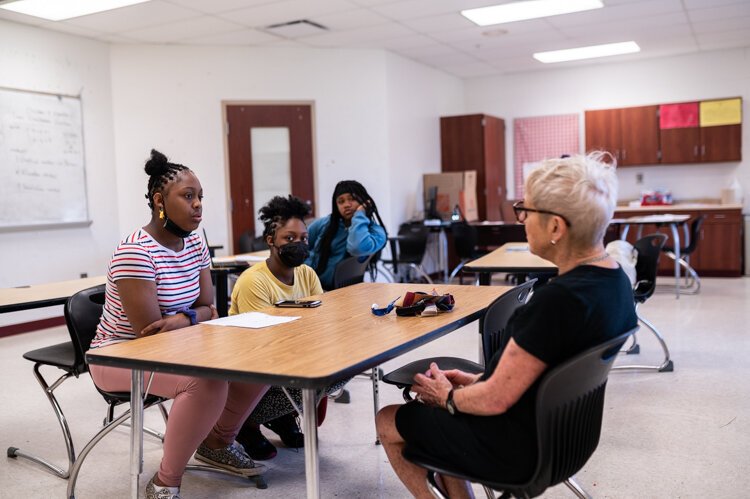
[42, 167]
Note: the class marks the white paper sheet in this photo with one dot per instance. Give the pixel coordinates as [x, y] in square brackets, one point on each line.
[254, 320]
[251, 258]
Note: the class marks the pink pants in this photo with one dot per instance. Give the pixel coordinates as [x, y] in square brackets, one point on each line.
[201, 406]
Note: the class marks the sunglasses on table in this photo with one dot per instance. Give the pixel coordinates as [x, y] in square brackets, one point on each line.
[522, 212]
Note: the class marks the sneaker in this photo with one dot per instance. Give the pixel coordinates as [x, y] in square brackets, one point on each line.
[232, 458]
[154, 491]
[256, 445]
[287, 428]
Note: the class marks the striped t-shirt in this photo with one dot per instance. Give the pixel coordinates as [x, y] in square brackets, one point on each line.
[139, 256]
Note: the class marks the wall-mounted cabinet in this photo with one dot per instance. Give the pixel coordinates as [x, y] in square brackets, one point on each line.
[477, 142]
[630, 134]
[689, 132]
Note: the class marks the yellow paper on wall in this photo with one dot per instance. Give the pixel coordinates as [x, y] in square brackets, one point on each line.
[721, 112]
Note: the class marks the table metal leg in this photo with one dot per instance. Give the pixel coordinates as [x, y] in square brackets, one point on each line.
[136, 431]
[443, 253]
[676, 241]
[310, 428]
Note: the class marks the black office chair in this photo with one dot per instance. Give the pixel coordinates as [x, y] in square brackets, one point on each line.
[569, 411]
[412, 243]
[649, 248]
[248, 243]
[70, 357]
[350, 271]
[692, 281]
[465, 240]
[491, 330]
[82, 313]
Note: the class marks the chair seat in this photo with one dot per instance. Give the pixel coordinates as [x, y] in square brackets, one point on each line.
[117, 398]
[446, 469]
[404, 375]
[62, 356]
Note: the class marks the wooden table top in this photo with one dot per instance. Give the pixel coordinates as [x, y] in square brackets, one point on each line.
[241, 259]
[337, 340]
[664, 218]
[44, 295]
[510, 257]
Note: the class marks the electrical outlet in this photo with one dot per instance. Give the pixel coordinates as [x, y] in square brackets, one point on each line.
[639, 178]
[84, 275]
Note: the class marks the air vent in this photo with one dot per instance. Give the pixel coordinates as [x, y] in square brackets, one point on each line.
[296, 29]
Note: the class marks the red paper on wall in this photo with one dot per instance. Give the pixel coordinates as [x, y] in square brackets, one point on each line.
[683, 115]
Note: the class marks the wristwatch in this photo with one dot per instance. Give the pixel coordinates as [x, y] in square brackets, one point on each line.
[450, 405]
[191, 315]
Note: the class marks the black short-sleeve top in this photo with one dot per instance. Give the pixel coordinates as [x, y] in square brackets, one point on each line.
[572, 313]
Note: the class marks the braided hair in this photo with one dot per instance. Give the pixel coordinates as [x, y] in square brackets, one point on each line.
[161, 172]
[279, 210]
[357, 191]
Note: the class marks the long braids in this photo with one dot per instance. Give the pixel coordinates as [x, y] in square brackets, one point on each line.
[359, 192]
[160, 172]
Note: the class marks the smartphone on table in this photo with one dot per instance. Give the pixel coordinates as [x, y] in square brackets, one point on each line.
[298, 303]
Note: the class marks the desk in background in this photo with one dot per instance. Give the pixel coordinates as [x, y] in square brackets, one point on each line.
[326, 345]
[222, 266]
[44, 295]
[510, 257]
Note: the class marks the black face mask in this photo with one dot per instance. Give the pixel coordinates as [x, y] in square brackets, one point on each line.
[173, 227]
[293, 254]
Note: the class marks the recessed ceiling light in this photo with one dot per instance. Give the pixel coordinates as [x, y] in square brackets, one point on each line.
[58, 10]
[532, 9]
[591, 52]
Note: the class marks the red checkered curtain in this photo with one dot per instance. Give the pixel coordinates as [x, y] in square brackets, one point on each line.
[535, 139]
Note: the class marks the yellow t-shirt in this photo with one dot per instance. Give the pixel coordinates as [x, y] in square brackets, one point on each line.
[258, 288]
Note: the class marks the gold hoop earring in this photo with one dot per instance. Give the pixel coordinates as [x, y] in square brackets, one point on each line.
[161, 213]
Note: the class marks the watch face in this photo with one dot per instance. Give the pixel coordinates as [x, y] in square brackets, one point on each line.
[451, 408]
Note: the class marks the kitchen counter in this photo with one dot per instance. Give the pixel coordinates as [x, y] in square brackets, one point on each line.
[677, 207]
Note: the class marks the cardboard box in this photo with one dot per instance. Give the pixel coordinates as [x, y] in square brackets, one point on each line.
[453, 188]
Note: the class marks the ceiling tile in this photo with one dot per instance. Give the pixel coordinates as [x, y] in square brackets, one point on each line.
[721, 12]
[154, 13]
[617, 13]
[413, 9]
[706, 4]
[725, 39]
[720, 25]
[284, 11]
[444, 60]
[245, 36]
[358, 37]
[443, 22]
[407, 42]
[350, 19]
[216, 6]
[181, 30]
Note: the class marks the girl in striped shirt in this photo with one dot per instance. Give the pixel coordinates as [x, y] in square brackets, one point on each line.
[159, 280]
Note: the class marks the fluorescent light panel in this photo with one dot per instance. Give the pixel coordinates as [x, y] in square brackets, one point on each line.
[532, 9]
[590, 52]
[58, 10]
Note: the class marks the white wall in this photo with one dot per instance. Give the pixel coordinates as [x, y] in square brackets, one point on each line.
[45, 61]
[417, 97]
[622, 84]
[170, 98]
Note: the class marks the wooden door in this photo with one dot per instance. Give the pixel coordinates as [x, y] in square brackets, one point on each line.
[493, 182]
[639, 136]
[603, 131]
[247, 121]
[721, 143]
[680, 145]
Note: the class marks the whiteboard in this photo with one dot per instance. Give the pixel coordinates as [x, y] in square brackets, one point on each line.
[42, 168]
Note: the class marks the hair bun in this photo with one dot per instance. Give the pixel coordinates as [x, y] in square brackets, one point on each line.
[157, 165]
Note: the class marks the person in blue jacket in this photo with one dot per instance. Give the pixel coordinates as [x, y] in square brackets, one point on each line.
[350, 230]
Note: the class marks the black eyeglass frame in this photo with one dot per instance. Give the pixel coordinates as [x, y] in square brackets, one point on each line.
[519, 208]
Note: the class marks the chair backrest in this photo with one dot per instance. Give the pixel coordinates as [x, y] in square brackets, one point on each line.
[412, 242]
[248, 243]
[465, 239]
[497, 316]
[647, 265]
[569, 409]
[695, 235]
[350, 271]
[82, 313]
